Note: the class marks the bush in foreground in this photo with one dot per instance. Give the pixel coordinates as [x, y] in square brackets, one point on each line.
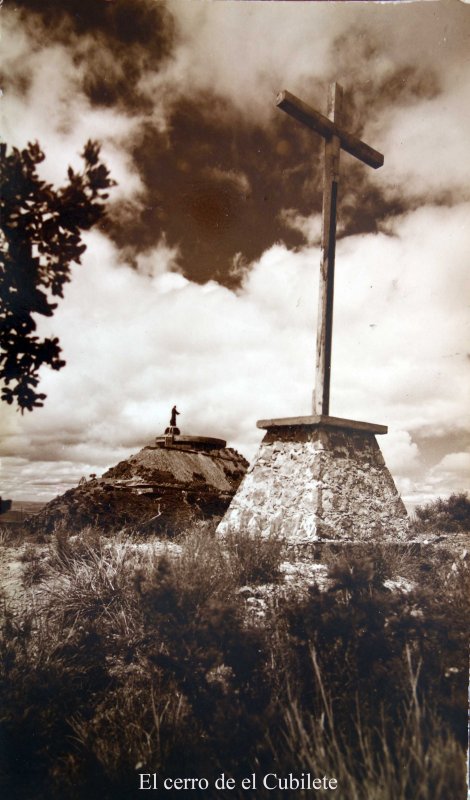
[137, 662]
[449, 515]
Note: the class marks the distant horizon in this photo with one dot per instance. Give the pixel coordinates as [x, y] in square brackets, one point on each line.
[200, 287]
[18, 501]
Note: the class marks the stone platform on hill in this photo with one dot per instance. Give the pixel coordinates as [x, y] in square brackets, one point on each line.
[164, 488]
[317, 478]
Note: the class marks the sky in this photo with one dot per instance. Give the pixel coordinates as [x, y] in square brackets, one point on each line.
[200, 286]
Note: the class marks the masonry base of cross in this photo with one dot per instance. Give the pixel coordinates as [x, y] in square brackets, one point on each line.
[317, 478]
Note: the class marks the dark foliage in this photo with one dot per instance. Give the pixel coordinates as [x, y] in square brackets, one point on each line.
[160, 670]
[257, 559]
[448, 515]
[214, 660]
[41, 237]
[367, 638]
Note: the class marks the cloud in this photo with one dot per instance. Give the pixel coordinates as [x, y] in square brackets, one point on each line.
[425, 156]
[190, 130]
[113, 43]
[450, 475]
[201, 289]
[310, 226]
[136, 342]
[456, 463]
[52, 110]
[400, 323]
[402, 454]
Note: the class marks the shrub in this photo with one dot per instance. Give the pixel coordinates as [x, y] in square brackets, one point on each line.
[414, 759]
[203, 570]
[64, 549]
[10, 537]
[92, 584]
[34, 571]
[201, 641]
[365, 634]
[254, 559]
[136, 661]
[447, 515]
[29, 553]
[156, 667]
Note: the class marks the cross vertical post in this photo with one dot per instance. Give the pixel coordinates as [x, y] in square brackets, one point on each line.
[321, 394]
[336, 139]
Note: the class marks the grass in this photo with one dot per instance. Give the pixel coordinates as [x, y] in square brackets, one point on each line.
[9, 537]
[422, 762]
[136, 659]
[254, 559]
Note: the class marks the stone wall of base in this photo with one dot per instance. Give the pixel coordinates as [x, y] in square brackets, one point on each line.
[312, 483]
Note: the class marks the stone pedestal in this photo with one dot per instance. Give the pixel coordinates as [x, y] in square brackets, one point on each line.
[317, 478]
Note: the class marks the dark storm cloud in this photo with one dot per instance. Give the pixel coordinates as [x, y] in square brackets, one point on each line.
[217, 189]
[371, 85]
[192, 195]
[114, 42]
[211, 174]
[217, 180]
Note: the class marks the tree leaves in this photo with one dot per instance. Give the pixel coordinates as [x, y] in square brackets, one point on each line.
[40, 239]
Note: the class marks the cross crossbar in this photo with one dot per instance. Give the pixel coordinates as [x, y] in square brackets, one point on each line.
[335, 140]
[327, 128]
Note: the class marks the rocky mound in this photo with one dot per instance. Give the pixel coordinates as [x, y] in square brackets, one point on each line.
[163, 488]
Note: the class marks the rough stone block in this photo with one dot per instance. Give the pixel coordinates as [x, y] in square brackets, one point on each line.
[312, 481]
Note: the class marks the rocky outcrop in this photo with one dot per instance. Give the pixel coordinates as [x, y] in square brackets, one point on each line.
[163, 488]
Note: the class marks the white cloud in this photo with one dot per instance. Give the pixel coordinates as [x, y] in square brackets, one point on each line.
[458, 463]
[158, 260]
[424, 155]
[450, 475]
[401, 453]
[54, 111]
[310, 226]
[225, 49]
[136, 342]
[248, 52]
[401, 317]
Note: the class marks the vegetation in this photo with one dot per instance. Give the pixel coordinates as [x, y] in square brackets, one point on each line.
[449, 515]
[40, 238]
[133, 659]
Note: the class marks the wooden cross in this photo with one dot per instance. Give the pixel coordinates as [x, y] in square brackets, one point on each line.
[336, 139]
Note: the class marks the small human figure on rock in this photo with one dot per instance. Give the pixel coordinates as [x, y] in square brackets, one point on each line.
[174, 413]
